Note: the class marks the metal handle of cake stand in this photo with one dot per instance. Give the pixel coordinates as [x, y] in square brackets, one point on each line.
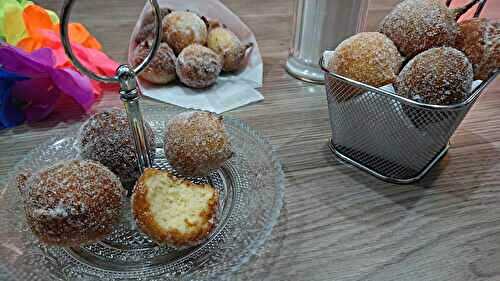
[126, 76]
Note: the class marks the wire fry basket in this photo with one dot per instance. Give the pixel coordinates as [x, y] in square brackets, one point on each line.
[391, 137]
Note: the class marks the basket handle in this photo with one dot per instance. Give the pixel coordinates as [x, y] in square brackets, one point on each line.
[479, 8]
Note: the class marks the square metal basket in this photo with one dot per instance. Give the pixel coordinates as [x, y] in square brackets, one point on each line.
[391, 137]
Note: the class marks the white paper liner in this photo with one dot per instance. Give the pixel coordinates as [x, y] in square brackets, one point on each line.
[231, 90]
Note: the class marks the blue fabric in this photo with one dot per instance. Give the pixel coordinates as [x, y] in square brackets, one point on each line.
[10, 112]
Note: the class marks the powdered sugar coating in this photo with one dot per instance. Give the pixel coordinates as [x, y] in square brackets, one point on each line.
[440, 76]
[182, 29]
[106, 138]
[198, 66]
[161, 69]
[21, 179]
[225, 43]
[196, 143]
[479, 39]
[418, 25]
[73, 202]
[368, 57]
[147, 29]
[149, 17]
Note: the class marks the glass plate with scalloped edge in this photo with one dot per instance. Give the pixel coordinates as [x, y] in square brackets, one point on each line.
[251, 187]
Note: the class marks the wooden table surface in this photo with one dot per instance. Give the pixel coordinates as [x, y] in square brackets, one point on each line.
[337, 223]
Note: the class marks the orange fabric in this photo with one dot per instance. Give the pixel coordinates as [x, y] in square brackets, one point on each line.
[36, 19]
[95, 60]
[29, 44]
[42, 33]
[79, 34]
[91, 42]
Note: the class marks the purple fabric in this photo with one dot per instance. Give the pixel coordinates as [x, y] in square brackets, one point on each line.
[10, 114]
[46, 83]
[75, 85]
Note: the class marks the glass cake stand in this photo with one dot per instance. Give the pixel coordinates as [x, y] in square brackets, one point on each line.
[251, 188]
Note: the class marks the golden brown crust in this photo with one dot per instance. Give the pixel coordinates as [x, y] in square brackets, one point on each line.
[418, 25]
[149, 17]
[479, 39]
[196, 143]
[146, 30]
[198, 66]
[161, 70]
[182, 29]
[147, 223]
[368, 57]
[451, 77]
[106, 138]
[73, 202]
[21, 180]
[232, 51]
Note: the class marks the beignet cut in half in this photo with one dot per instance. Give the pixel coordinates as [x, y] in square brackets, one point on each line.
[173, 211]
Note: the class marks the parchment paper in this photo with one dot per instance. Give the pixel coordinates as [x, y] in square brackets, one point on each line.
[231, 90]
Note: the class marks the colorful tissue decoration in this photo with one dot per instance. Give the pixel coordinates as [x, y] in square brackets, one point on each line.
[94, 60]
[37, 19]
[10, 113]
[38, 84]
[35, 68]
[12, 28]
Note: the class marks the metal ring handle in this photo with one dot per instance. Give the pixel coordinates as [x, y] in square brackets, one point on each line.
[65, 15]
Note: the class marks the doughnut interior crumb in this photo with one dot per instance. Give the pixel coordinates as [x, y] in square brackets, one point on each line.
[174, 211]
